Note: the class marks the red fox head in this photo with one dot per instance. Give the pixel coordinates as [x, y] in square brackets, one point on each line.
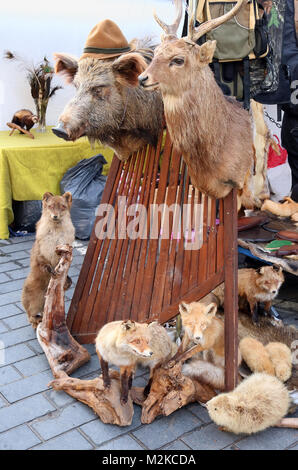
[196, 317]
[136, 338]
[269, 279]
[56, 206]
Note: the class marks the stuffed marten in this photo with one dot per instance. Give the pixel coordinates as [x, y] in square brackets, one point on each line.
[25, 119]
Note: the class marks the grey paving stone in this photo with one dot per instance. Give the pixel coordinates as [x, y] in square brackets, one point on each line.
[26, 387]
[8, 374]
[10, 297]
[2, 402]
[200, 411]
[176, 445]
[100, 432]
[33, 365]
[122, 443]
[3, 327]
[209, 438]
[11, 286]
[4, 278]
[6, 267]
[71, 440]
[294, 448]
[19, 273]
[21, 335]
[20, 438]
[25, 245]
[270, 439]
[59, 398]
[15, 255]
[16, 353]
[70, 417]
[167, 429]
[9, 310]
[17, 321]
[34, 344]
[16, 240]
[23, 262]
[91, 366]
[24, 411]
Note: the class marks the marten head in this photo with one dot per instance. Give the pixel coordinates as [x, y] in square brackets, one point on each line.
[56, 207]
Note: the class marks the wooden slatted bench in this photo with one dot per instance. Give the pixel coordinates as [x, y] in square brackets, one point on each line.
[146, 278]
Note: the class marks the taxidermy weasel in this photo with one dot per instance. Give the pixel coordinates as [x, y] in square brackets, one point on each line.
[54, 228]
[126, 344]
[258, 402]
[25, 119]
[254, 286]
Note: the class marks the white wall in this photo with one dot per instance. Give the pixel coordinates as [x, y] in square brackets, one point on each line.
[36, 28]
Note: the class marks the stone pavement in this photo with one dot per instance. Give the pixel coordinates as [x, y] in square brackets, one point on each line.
[32, 416]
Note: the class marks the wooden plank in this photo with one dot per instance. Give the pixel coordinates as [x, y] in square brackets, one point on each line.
[231, 290]
[92, 246]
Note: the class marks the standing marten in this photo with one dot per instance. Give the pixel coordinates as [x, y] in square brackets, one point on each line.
[54, 228]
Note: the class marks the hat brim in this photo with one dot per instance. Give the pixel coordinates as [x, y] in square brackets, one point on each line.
[106, 56]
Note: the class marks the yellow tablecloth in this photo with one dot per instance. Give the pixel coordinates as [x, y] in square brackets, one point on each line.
[31, 167]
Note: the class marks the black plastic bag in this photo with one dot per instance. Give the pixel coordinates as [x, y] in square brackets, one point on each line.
[26, 214]
[86, 183]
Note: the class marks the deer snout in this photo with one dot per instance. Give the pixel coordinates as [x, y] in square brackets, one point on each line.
[142, 80]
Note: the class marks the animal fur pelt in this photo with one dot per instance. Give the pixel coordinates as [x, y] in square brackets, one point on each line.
[262, 142]
[265, 332]
[258, 402]
[289, 265]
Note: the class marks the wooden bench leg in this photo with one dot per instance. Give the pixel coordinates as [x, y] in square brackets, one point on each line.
[231, 290]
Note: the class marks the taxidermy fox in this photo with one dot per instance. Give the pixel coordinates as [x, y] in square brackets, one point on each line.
[254, 286]
[126, 344]
[54, 228]
[202, 327]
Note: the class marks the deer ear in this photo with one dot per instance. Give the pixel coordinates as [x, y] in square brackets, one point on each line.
[66, 65]
[128, 67]
[68, 198]
[183, 308]
[206, 52]
[211, 309]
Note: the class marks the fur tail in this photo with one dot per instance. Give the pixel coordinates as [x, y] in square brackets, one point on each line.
[205, 372]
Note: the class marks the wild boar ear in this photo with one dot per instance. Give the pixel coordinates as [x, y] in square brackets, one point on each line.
[211, 309]
[66, 65]
[206, 52]
[183, 308]
[68, 198]
[128, 67]
[47, 196]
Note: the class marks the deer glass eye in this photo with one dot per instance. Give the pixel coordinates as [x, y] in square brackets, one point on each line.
[177, 61]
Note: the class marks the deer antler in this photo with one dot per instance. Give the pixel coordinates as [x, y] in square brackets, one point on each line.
[171, 29]
[195, 33]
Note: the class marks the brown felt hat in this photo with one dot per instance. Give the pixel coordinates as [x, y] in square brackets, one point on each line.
[106, 40]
